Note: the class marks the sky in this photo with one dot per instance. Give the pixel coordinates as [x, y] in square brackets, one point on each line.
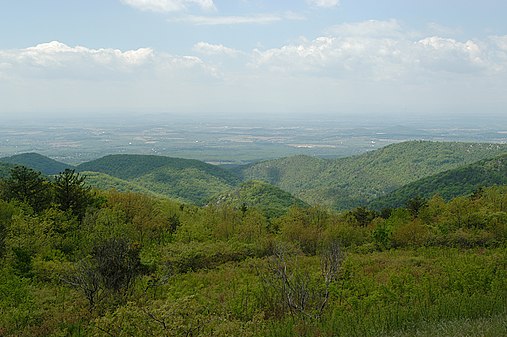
[252, 57]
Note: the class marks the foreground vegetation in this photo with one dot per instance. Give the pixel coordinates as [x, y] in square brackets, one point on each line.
[82, 262]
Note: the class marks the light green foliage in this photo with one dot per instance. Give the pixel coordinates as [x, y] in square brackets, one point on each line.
[188, 184]
[48, 237]
[271, 200]
[221, 222]
[304, 227]
[7, 211]
[106, 182]
[137, 264]
[16, 303]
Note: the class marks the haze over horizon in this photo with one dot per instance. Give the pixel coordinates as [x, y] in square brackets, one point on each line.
[252, 57]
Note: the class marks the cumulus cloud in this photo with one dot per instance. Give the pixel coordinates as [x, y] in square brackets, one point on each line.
[378, 62]
[58, 60]
[168, 5]
[324, 3]
[215, 49]
[450, 55]
[381, 50]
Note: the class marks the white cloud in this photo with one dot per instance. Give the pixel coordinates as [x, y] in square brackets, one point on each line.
[450, 55]
[324, 3]
[58, 60]
[381, 50]
[372, 65]
[500, 42]
[168, 5]
[215, 49]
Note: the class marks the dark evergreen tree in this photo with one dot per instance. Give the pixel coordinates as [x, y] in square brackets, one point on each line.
[362, 215]
[28, 186]
[71, 192]
[415, 204]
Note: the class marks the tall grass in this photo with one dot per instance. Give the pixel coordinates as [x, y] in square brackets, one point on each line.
[404, 292]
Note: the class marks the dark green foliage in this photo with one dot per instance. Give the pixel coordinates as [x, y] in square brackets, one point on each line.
[28, 186]
[5, 170]
[188, 180]
[174, 223]
[71, 192]
[37, 162]
[135, 166]
[362, 216]
[22, 261]
[117, 263]
[110, 271]
[461, 181]
[415, 204]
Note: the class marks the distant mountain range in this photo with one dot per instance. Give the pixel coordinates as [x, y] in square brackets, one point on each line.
[387, 176]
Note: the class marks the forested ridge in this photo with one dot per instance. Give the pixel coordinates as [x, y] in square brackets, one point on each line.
[341, 184]
[37, 162]
[345, 183]
[254, 261]
[449, 184]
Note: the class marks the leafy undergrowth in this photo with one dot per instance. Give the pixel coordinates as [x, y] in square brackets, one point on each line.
[130, 264]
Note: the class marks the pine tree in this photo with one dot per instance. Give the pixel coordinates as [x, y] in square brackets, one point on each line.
[71, 192]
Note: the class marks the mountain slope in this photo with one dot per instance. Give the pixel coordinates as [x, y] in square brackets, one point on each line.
[348, 182]
[450, 184]
[271, 200]
[190, 184]
[130, 166]
[104, 181]
[37, 162]
[286, 173]
[185, 179]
